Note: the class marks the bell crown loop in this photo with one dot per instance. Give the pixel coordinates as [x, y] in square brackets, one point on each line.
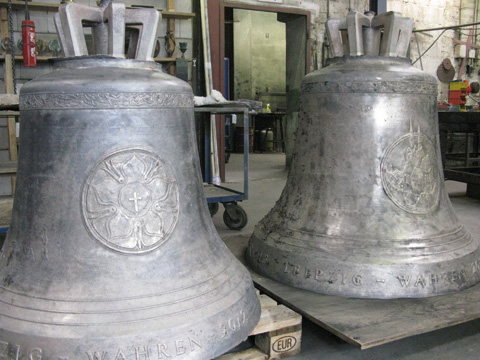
[360, 34]
[108, 23]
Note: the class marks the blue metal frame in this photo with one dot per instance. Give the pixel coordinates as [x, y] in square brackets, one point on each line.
[227, 109]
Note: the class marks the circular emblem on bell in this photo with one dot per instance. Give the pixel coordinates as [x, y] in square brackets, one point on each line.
[410, 174]
[130, 201]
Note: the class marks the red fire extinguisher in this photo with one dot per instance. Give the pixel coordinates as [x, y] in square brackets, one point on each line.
[29, 40]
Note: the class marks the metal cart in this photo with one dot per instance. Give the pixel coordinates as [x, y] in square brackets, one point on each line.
[467, 123]
[234, 216]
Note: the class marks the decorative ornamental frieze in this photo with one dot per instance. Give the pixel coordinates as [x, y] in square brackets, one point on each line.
[108, 100]
[400, 87]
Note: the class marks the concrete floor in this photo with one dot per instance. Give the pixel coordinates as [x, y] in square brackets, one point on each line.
[267, 179]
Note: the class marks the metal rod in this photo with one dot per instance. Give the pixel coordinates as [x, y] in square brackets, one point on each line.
[433, 43]
[447, 27]
[475, 19]
[27, 13]
[419, 54]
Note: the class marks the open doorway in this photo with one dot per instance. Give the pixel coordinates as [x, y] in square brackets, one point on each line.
[297, 59]
[256, 58]
[255, 70]
[266, 55]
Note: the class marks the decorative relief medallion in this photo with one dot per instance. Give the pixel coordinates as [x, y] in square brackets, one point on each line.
[410, 175]
[130, 201]
[400, 87]
[117, 100]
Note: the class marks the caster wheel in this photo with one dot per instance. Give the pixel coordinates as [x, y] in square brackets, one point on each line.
[235, 217]
[213, 208]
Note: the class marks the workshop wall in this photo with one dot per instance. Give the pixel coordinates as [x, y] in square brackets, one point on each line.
[432, 14]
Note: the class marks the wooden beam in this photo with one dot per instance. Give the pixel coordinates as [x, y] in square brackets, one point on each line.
[20, 58]
[4, 22]
[171, 28]
[177, 15]
[12, 138]
[171, 5]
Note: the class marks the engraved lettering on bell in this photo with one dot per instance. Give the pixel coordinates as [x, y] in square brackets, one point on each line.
[410, 175]
[130, 201]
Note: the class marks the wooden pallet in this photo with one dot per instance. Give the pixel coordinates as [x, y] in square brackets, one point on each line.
[277, 335]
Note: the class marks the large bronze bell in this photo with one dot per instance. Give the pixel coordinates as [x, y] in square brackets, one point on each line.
[111, 253]
[364, 212]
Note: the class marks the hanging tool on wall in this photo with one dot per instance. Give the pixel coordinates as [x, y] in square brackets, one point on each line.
[446, 71]
[29, 40]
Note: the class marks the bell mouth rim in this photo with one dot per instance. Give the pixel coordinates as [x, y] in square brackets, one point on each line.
[368, 280]
[102, 61]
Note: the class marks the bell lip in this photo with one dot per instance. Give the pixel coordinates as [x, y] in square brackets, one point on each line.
[212, 335]
[340, 277]
[224, 323]
[102, 61]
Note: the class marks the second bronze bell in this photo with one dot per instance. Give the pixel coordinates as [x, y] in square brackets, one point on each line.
[364, 212]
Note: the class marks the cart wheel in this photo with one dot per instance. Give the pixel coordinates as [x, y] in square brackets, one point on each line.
[213, 208]
[235, 217]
